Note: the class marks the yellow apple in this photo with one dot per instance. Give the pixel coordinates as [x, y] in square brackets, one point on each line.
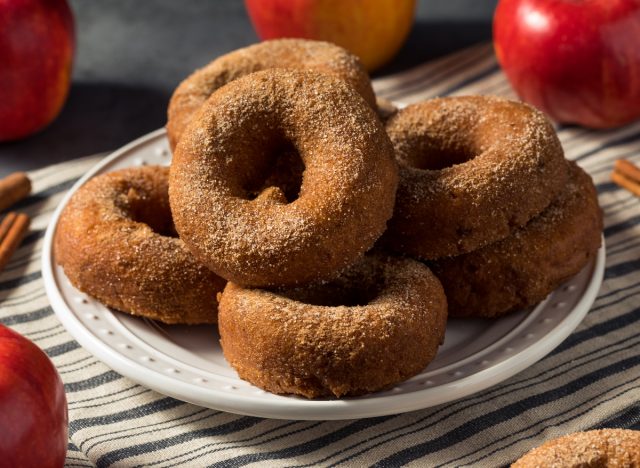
[374, 30]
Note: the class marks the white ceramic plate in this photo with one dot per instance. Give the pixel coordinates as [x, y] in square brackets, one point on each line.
[187, 363]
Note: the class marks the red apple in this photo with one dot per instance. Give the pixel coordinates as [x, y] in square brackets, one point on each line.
[37, 43]
[577, 60]
[33, 407]
[374, 30]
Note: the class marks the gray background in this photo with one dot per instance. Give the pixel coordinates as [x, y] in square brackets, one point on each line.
[132, 54]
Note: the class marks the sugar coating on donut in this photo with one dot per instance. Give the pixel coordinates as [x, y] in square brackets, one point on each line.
[302, 54]
[116, 242]
[376, 325]
[252, 234]
[524, 268]
[472, 170]
[599, 448]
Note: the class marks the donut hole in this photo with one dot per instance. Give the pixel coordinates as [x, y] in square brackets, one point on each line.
[333, 295]
[152, 211]
[356, 287]
[283, 170]
[431, 154]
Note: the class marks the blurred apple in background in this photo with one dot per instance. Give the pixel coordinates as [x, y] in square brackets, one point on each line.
[577, 60]
[33, 406]
[374, 30]
[36, 53]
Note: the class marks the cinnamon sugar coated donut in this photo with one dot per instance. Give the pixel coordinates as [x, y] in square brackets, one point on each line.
[226, 154]
[472, 169]
[604, 448]
[524, 268]
[302, 54]
[115, 241]
[378, 324]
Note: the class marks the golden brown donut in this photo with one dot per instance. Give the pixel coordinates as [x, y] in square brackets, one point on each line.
[524, 268]
[227, 152]
[472, 169]
[302, 54]
[116, 242]
[604, 448]
[376, 325]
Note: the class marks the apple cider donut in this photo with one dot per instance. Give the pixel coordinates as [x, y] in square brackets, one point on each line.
[302, 54]
[116, 242]
[376, 325]
[524, 268]
[603, 448]
[260, 237]
[472, 169]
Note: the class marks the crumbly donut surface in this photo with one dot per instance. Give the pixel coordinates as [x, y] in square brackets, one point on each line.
[604, 448]
[378, 324]
[302, 54]
[249, 232]
[524, 268]
[472, 169]
[115, 242]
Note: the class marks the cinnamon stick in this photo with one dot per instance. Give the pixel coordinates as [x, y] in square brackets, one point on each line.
[12, 230]
[6, 223]
[627, 169]
[14, 188]
[629, 184]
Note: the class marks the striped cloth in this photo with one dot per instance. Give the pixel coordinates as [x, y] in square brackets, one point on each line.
[592, 380]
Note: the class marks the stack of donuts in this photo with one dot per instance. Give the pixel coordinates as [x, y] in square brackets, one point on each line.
[488, 200]
[307, 220]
